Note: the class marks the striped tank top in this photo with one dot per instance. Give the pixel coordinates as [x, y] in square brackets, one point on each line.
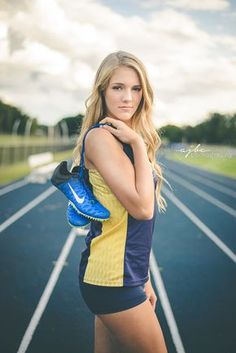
[117, 251]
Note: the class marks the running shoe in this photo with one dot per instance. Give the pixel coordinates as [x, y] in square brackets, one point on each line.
[74, 187]
[74, 218]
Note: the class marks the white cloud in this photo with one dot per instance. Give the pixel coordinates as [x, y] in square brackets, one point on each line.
[51, 55]
[215, 5]
[200, 5]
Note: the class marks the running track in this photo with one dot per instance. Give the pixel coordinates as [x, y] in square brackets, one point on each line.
[192, 267]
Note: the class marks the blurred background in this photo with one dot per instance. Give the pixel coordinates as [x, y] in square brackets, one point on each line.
[49, 53]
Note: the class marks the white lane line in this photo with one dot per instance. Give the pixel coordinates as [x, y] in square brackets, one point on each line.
[207, 173]
[47, 293]
[212, 184]
[27, 208]
[166, 305]
[81, 232]
[200, 225]
[203, 194]
[13, 186]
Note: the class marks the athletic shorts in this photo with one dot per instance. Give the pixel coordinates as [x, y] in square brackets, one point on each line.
[107, 300]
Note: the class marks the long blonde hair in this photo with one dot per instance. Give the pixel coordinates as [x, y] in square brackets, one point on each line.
[142, 119]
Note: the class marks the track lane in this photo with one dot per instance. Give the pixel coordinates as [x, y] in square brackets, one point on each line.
[221, 179]
[229, 198]
[199, 280]
[28, 250]
[16, 199]
[198, 277]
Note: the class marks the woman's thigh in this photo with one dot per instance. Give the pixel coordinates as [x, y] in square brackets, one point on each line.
[136, 329]
[105, 341]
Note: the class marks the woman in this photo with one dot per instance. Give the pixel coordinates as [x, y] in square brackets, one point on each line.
[122, 171]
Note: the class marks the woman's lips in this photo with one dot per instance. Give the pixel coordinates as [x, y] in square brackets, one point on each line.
[125, 108]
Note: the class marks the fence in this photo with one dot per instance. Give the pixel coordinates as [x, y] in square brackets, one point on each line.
[13, 153]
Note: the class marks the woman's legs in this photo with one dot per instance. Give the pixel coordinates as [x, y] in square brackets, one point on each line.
[105, 341]
[136, 329]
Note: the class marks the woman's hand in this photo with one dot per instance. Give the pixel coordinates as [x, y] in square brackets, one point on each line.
[119, 129]
[150, 294]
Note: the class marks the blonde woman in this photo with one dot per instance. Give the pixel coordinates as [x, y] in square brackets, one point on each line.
[122, 171]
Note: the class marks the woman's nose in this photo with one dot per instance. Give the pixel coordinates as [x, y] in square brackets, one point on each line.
[127, 96]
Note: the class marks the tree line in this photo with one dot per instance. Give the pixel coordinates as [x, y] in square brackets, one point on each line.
[14, 121]
[216, 129]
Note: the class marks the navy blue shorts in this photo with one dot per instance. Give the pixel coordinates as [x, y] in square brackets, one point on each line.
[107, 300]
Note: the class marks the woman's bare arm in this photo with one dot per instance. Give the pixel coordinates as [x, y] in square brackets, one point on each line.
[132, 185]
[143, 174]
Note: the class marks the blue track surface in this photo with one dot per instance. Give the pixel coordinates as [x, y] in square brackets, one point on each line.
[199, 277]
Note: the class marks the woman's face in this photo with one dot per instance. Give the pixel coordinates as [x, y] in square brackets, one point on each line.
[123, 94]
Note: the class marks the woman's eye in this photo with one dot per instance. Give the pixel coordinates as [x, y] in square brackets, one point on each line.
[138, 89]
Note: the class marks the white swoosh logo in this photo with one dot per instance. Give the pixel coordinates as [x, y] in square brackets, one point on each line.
[78, 199]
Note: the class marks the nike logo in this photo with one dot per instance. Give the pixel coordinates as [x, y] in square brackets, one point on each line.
[78, 199]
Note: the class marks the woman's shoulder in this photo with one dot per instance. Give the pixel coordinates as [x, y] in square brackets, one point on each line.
[100, 138]
[101, 144]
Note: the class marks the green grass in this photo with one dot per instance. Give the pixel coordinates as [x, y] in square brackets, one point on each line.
[60, 156]
[19, 170]
[19, 140]
[13, 172]
[219, 159]
[15, 140]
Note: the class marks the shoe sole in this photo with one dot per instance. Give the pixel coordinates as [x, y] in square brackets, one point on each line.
[74, 226]
[89, 217]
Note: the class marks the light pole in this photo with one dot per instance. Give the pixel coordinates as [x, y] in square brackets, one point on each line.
[65, 131]
[28, 127]
[15, 127]
[26, 134]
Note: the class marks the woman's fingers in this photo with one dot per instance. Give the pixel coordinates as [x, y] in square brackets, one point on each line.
[113, 121]
[114, 126]
[111, 129]
[119, 129]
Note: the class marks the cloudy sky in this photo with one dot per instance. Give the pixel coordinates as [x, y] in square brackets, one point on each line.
[51, 49]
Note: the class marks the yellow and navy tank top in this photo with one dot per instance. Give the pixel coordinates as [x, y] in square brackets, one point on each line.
[117, 251]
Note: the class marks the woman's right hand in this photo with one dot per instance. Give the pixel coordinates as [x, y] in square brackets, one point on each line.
[121, 130]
